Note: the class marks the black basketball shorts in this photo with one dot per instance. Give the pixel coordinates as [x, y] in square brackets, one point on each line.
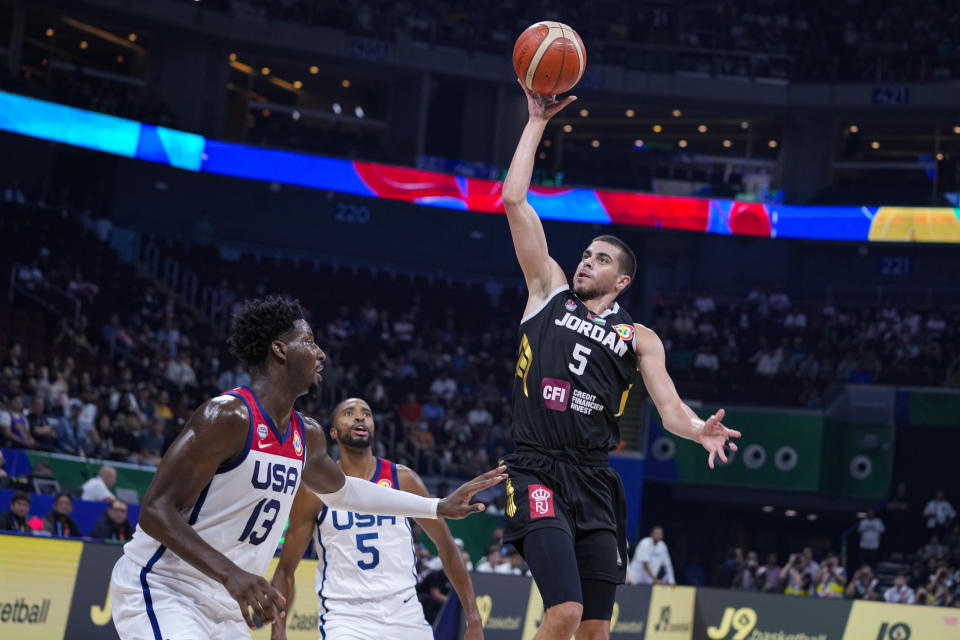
[561, 491]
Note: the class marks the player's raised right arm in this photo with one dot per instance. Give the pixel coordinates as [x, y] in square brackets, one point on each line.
[322, 476]
[540, 271]
[216, 433]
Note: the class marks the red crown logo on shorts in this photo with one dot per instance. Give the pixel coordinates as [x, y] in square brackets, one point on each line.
[540, 495]
[541, 501]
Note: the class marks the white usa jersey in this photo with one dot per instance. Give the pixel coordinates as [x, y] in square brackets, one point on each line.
[363, 557]
[242, 511]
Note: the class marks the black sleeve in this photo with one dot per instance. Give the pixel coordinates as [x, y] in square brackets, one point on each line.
[6, 521]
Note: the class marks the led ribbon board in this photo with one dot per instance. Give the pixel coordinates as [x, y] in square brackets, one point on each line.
[192, 152]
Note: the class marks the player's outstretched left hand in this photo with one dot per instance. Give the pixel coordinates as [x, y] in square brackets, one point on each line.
[714, 435]
[457, 504]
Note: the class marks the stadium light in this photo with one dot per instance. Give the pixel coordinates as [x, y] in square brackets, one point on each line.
[677, 113]
[702, 128]
[727, 144]
[790, 513]
[567, 128]
[49, 32]
[132, 37]
[358, 111]
[345, 83]
[594, 143]
[772, 144]
[767, 509]
[638, 144]
[682, 144]
[812, 516]
[84, 44]
[854, 129]
[548, 143]
[744, 125]
[629, 113]
[874, 145]
[337, 109]
[657, 128]
[314, 70]
[584, 113]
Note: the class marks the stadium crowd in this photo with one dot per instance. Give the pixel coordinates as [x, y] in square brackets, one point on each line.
[765, 343]
[827, 40]
[902, 555]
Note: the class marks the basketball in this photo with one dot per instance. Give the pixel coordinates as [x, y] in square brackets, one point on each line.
[549, 58]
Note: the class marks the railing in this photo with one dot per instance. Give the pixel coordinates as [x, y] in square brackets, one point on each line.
[49, 296]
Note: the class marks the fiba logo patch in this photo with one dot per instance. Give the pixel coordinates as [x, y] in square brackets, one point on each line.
[297, 444]
[541, 501]
[625, 331]
[262, 430]
[571, 305]
[386, 482]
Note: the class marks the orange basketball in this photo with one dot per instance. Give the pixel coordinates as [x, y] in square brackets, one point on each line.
[549, 58]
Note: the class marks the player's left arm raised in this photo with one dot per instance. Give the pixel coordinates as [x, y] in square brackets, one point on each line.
[677, 417]
[449, 553]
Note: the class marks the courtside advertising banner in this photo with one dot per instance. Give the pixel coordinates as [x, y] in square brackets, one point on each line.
[511, 607]
[502, 603]
[36, 586]
[884, 621]
[91, 612]
[60, 589]
[671, 613]
[303, 618]
[738, 615]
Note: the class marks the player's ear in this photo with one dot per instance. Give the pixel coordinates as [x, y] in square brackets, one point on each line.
[279, 349]
[623, 281]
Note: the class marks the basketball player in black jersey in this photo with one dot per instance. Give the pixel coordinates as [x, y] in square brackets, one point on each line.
[578, 354]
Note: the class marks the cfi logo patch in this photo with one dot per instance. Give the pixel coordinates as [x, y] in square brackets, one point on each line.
[625, 331]
[262, 430]
[541, 501]
[297, 443]
[571, 305]
[386, 482]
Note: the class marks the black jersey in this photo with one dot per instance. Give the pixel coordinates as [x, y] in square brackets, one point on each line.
[574, 371]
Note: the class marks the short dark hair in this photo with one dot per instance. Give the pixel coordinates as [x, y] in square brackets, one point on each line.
[627, 261]
[20, 495]
[63, 494]
[258, 324]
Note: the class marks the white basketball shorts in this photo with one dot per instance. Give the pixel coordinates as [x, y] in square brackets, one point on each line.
[148, 606]
[399, 616]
